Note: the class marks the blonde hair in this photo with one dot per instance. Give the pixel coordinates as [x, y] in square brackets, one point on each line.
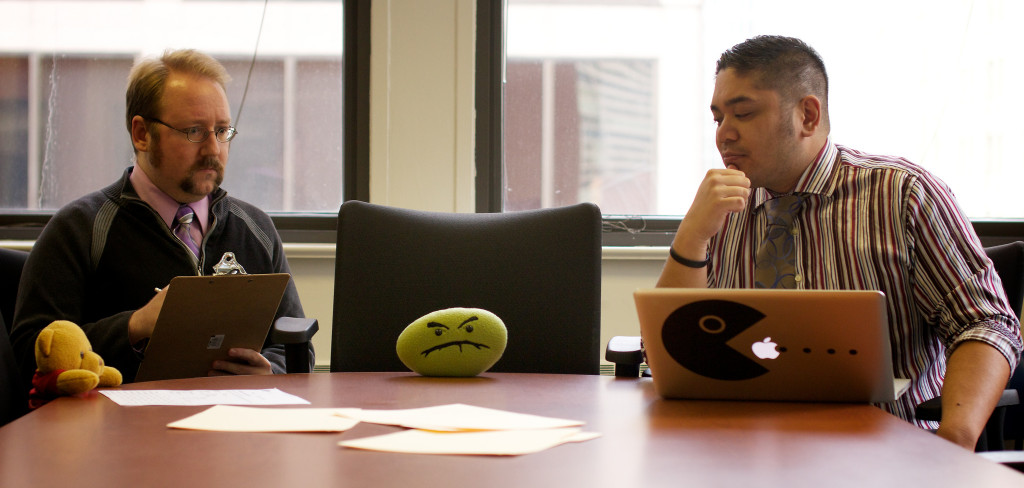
[149, 76]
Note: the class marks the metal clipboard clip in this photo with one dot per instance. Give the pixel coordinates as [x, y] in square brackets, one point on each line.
[228, 266]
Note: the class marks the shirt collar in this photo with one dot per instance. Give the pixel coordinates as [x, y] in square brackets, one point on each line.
[818, 178]
[163, 203]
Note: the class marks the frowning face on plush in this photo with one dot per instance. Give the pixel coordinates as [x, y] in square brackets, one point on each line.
[453, 342]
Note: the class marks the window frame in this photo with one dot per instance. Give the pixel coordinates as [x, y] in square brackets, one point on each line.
[624, 231]
[308, 227]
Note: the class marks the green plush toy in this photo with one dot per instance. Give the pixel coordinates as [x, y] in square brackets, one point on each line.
[453, 342]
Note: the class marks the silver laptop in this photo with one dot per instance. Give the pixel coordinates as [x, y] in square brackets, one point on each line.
[780, 345]
[204, 316]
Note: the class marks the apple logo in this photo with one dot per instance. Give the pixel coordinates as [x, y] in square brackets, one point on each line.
[765, 349]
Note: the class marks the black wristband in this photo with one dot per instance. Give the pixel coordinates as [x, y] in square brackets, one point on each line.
[689, 263]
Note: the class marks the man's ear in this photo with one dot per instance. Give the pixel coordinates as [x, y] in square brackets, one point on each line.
[810, 115]
[140, 134]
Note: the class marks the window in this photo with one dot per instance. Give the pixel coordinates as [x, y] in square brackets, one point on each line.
[587, 128]
[607, 101]
[63, 69]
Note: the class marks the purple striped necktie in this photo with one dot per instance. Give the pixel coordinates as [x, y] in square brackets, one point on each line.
[182, 224]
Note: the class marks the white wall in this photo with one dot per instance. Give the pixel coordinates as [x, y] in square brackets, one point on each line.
[421, 104]
[421, 150]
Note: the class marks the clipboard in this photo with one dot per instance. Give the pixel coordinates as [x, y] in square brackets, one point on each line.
[204, 316]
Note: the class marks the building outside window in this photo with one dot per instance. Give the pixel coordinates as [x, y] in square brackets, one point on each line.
[63, 72]
[607, 101]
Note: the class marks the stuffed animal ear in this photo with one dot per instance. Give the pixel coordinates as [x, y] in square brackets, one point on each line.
[45, 342]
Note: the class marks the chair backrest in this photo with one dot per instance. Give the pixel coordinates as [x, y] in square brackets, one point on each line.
[13, 391]
[538, 270]
[12, 261]
[1008, 260]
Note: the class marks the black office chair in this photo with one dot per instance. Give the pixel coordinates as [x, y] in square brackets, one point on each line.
[538, 270]
[13, 390]
[12, 261]
[1006, 421]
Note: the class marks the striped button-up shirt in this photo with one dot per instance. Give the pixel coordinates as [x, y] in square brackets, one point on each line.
[882, 223]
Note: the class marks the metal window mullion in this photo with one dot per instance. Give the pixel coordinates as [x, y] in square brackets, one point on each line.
[288, 147]
[34, 133]
[547, 134]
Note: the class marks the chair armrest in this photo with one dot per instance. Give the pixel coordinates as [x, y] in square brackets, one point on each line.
[293, 330]
[992, 436]
[295, 333]
[1011, 459]
[932, 409]
[625, 353]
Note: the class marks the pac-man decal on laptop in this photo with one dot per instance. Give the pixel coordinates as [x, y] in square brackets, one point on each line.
[695, 335]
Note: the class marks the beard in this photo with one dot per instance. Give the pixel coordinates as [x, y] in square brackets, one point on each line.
[188, 184]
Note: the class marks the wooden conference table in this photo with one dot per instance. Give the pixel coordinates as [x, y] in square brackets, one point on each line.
[645, 441]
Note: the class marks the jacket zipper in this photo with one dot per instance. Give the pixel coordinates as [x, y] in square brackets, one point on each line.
[197, 263]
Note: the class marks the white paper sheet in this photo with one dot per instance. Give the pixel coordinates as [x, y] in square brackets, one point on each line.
[454, 429]
[134, 398]
[225, 418]
[492, 443]
[459, 417]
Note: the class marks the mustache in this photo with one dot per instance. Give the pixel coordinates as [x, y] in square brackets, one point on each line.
[208, 162]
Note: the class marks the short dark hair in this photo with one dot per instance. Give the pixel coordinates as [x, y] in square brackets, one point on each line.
[785, 65]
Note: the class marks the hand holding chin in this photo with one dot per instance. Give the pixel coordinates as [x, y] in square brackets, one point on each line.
[723, 191]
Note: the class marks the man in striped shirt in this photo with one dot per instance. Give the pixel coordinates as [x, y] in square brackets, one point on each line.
[866, 222]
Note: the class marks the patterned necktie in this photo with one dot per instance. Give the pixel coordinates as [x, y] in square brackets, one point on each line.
[775, 263]
[182, 225]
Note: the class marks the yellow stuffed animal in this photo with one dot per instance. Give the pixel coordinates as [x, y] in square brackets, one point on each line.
[66, 364]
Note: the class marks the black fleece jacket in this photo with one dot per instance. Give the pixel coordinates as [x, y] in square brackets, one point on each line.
[101, 256]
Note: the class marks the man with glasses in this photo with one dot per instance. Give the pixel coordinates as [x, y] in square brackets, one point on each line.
[100, 258]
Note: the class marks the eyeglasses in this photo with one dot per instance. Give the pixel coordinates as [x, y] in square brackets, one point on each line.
[199, 134]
